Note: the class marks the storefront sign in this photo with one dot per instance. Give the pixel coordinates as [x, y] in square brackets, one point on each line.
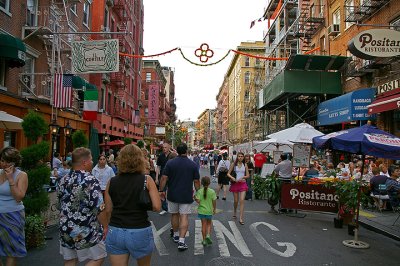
[351, 106]
[52, 214]
[301, 155]
[375, 43]
[388, 86]
[309, 197]
[95, 56]
[154, 106]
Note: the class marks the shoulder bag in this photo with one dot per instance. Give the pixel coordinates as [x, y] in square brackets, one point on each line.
[144, 197]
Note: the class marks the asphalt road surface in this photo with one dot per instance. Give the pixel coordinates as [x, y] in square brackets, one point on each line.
[264, 239]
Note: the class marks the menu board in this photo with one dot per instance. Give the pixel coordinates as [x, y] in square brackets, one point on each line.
[267, 169]
[277, 156]
[301, 155]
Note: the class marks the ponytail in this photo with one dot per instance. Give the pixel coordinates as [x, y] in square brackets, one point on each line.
[205, 192]
[205, 181]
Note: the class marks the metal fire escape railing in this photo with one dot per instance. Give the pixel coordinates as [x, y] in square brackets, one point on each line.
[358, 13]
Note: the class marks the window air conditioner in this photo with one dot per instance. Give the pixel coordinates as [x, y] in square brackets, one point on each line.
[333, 29]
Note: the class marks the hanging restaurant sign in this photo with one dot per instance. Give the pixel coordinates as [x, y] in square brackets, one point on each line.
[95, 56]
[373, 43]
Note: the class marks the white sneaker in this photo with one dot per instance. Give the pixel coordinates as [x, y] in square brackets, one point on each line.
[162, 212]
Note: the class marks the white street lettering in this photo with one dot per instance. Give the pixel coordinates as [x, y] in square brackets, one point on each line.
[162, 249]
[198, 237]
[290, 247]
[235, 238]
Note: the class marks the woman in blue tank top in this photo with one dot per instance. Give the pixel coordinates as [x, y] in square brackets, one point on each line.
[13, 186]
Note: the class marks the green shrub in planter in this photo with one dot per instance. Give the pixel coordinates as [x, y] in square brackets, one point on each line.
[259, 187]
[273, 189]
[34, 231]
[79, 139]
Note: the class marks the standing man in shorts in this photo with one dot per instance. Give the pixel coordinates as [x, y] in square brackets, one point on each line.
[181, 173]
[83, 224]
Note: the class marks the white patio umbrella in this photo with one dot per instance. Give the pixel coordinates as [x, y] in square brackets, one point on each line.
[273, 144]
[8, 121]
[300, 133]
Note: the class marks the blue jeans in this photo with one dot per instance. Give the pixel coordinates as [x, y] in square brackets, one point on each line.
[136, 242]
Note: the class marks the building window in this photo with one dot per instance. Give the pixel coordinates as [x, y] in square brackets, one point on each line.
[349, 7]
[28, 77]
[148, 76]
[247, 95]
[31, 17]
[336, 17]
[109, 103]
[5, 5]
[396, 23]
[102, 98]
[106, 19]
[2, 73]
[247, 61]
[146, 95]
[73, 9]
[146, 112]
[247, 78]
[258, 62]
[9, 138]
[86, 14]
[322, 45]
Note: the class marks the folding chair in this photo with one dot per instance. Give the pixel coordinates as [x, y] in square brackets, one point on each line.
[381, 199]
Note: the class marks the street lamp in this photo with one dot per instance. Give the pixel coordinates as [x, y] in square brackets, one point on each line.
[106, 138]
[54, 128]
[67, 134]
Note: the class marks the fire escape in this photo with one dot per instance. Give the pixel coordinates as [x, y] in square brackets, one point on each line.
[44, 23]
[123, 10]
[360, 67]
[308, 23]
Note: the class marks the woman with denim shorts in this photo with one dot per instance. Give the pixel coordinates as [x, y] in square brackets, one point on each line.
[129, 230]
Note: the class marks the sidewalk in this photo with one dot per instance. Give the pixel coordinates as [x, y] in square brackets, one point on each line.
[381, 222]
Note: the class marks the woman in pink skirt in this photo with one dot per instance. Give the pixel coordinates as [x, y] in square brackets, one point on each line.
[238, 172]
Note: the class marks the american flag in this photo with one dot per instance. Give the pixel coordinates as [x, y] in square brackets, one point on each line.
[62, 91]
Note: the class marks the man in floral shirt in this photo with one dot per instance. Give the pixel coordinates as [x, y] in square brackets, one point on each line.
[81, 216]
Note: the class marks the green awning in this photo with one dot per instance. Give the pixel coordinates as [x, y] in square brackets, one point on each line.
[295, 82]
[90, 86]
[13, 50]
[78, 82]
[315, 62]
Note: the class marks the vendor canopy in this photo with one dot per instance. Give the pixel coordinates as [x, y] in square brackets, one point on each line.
[348, 107]
[300, 133]
[366, 140]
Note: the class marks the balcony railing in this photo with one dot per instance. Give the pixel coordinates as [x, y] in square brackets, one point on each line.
[35, 85]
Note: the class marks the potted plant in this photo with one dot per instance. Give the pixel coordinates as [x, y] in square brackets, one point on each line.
[273, 190]
[34, 231]
[34, 158]
[350, 195]
[259, 187]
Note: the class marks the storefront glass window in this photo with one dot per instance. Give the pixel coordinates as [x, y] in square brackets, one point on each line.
[9, 139]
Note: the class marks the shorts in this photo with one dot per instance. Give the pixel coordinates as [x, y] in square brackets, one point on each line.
[93, 253]
[223, 179]
[136, 242]
[204, 216]
[180, 208]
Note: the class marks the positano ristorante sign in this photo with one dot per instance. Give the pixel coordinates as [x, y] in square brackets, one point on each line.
[95, 56]
[309, 197]
[374, 43]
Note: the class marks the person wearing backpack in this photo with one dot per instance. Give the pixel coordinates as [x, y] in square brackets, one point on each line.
[222, 171]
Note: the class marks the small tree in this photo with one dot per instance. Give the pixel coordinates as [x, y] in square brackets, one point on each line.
[79, 139]
[140, 144]
[127, 141]
[34, 126]
[34, 164]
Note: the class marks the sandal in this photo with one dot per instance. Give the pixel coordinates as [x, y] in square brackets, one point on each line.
[241, 222]
[233, 216]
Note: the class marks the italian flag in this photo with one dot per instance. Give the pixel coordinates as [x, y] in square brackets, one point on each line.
[90, 104]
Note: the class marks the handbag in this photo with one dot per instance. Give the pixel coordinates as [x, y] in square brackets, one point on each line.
[233, 174]
[144, 197]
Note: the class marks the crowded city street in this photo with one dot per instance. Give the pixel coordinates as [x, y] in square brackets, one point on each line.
[264, 239]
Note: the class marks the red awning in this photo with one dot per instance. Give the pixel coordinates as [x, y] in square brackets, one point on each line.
[383, 104]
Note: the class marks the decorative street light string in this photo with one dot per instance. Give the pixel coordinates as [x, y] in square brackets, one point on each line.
[204, 53]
